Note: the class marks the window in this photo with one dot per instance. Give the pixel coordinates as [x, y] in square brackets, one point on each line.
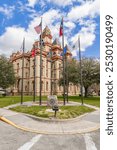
[42, 85]
[54, 65]
[32, 85]
[46, 86]
[59, 74]
[42, 62]
[42, 69]
[17, 67]
[42, 73]
[33, 71]
[59, 66]
[26, 75]
[26, 88]
[54, 75]
[26, 65]
[46, 68]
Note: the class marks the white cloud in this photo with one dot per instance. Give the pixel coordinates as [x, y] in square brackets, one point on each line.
[87, 9]
[22, 7]
[32, 2]
[7, 10]
[87, 37]
[49, 19]
[69, 25]
[11, 40]
[61, 2]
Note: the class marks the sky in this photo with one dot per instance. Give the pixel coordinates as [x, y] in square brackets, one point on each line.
[81, 18]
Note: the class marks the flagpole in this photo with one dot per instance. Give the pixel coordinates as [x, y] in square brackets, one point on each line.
[81, 81]
[67, 83]
[22, 91]
[34, 73]
[51, 71]
[63, 67]
[40, 66]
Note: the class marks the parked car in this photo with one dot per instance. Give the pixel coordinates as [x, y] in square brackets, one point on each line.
[2, 92]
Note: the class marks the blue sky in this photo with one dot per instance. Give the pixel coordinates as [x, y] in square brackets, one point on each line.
[81, 17]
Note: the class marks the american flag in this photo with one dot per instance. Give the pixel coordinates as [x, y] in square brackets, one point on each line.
[38, 28]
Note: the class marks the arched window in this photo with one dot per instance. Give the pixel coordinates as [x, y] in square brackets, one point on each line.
[46, 68]
[26, 75]
[46, 86]
[26, 88]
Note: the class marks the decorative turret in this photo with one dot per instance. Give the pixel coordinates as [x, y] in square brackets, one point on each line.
[47, 32]
[68, 51]
[56, 42]
[47, 37]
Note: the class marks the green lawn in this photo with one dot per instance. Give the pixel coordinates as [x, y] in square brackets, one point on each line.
[65, 113]
[9, 100]
[95, 101]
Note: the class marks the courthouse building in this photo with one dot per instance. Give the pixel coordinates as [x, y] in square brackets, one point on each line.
[48, 72]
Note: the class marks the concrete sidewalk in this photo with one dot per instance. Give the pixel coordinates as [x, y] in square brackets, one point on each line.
[85, 123]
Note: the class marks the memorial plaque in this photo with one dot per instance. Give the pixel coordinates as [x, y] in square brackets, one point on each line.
[52, 100]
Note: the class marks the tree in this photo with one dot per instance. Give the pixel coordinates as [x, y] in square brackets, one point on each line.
[7, 76]
[72, 73]
[90, 73]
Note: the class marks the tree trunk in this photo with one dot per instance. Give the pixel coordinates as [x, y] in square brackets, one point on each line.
[86, 91]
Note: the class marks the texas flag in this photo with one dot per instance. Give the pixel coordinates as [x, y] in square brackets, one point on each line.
[38, 28]
[33, 53]
[61, 28]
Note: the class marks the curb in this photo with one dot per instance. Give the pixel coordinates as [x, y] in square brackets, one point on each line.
[54, 119]
[46, 132]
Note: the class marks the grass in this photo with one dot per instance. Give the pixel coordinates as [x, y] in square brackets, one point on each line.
[9, 100]
[65, 113]
[95, 101]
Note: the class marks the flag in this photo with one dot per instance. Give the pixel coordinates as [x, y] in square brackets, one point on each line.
[61, 28]
[75, 46]
[38, 28]
[65, 50]
[33, 53]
